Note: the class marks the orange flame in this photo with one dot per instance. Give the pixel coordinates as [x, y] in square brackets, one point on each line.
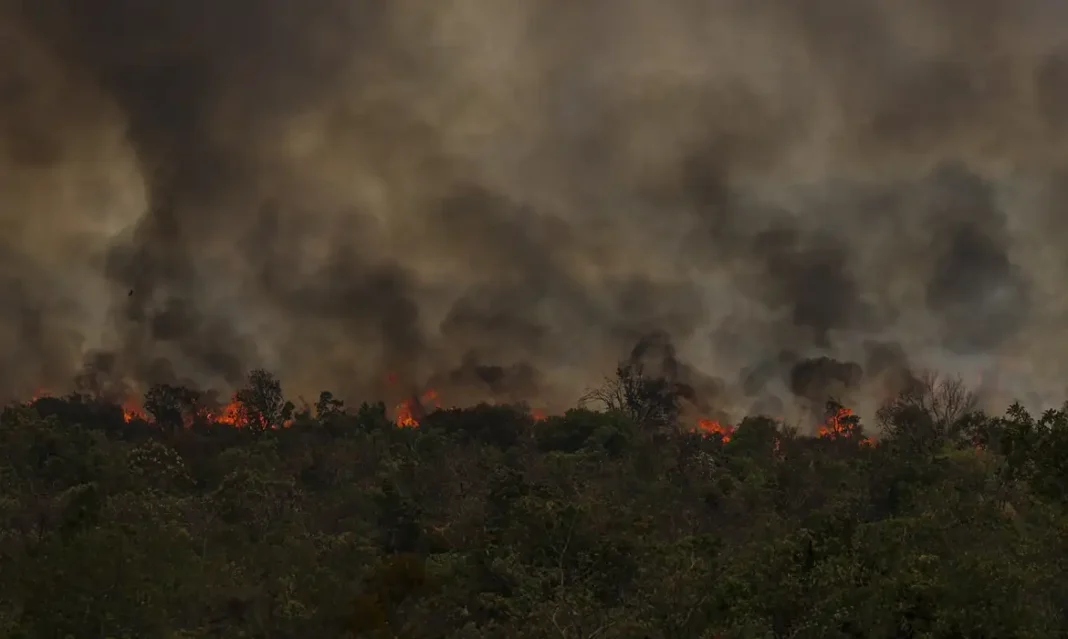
[713, 427]
[131, 410]
[407, 410]
[230, 415]
[839, 425]
[405, 419]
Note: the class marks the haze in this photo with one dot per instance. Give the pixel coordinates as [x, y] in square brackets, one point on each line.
[340, 189]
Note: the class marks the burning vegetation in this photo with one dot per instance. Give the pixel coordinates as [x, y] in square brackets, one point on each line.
[713, 427]
[495, 200]
[261, 406]
[219, 508]
[651, 388]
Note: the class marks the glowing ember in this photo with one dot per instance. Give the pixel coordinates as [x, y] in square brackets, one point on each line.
[537, 415]
[713, 427]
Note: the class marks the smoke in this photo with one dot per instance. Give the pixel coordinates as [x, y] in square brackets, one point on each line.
[506, 197]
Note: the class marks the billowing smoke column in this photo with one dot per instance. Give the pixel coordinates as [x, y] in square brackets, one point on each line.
[506, 197]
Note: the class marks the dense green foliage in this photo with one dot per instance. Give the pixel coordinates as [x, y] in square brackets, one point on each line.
[485, 523]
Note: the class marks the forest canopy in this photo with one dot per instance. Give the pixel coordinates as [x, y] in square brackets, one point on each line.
[264, 519]
[457, 216]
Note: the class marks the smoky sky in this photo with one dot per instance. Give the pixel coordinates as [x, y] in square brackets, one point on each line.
[474, 192]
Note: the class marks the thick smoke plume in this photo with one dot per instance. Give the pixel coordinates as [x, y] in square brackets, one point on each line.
[505, 197]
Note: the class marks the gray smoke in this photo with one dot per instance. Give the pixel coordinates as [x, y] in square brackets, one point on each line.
[506, 197]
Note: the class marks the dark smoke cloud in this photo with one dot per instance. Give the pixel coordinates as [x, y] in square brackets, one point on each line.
[505, 199]
[972, 276]
[823, 378]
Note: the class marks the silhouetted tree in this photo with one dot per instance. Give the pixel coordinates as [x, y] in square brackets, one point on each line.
[930, 412]
[645, 399]
[261, 403]
[170, 405]
[328, 406]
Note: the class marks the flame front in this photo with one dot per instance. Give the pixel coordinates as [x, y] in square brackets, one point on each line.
[229, 414]
[714, 427]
